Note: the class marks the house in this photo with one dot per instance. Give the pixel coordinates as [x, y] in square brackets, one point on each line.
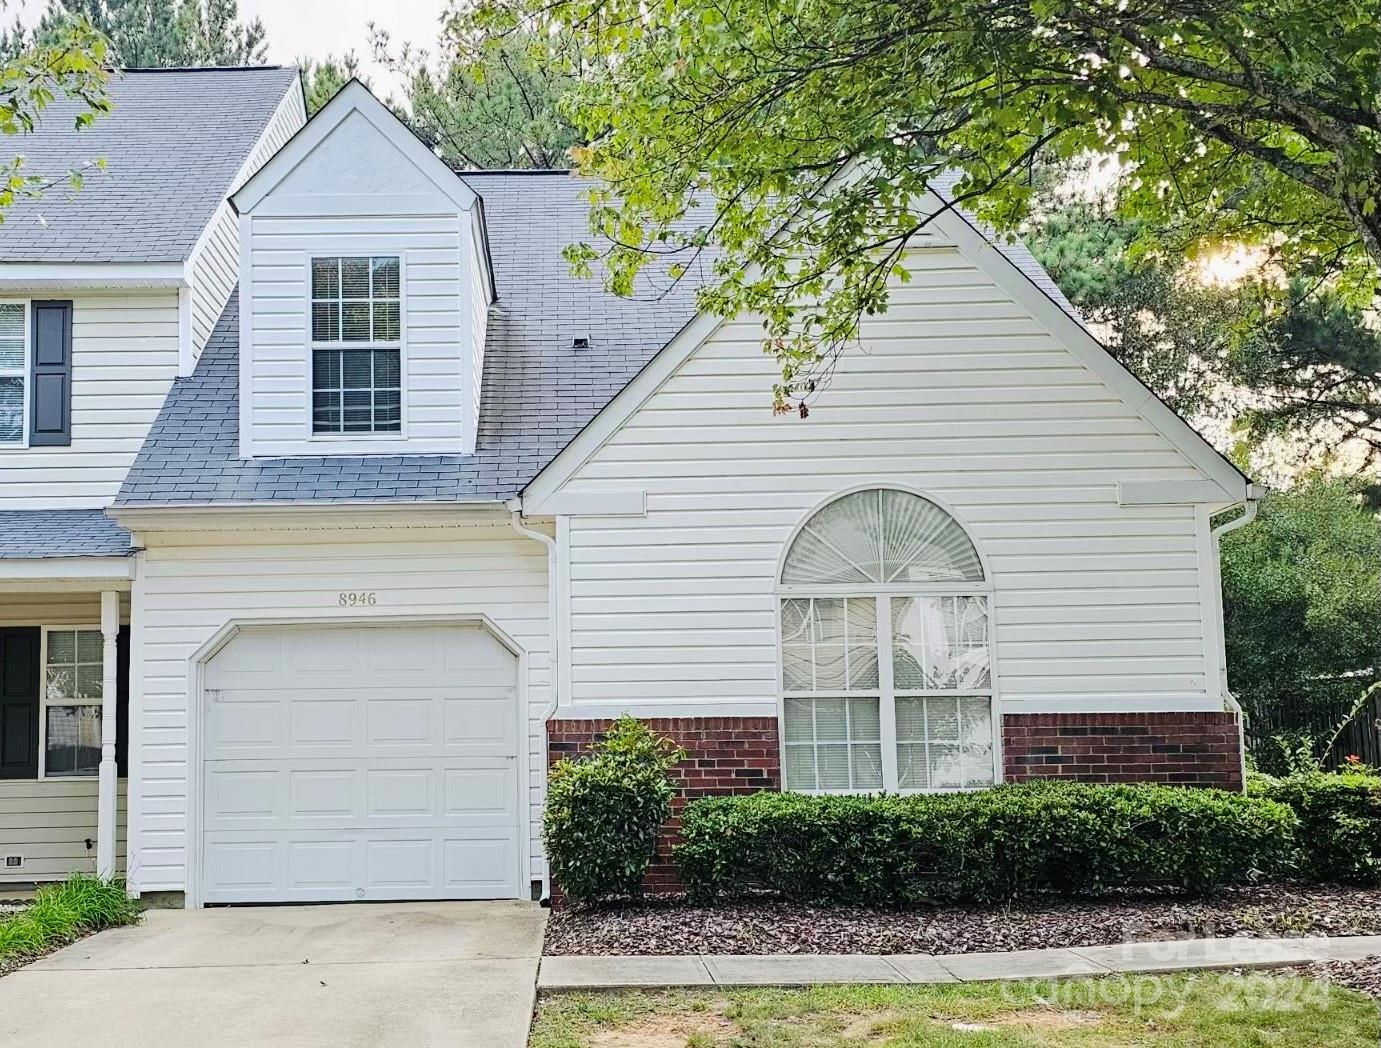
[420, 512]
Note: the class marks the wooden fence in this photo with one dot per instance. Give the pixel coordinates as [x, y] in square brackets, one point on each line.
[1361, 737]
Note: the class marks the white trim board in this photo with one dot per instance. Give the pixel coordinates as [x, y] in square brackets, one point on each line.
[354, 97]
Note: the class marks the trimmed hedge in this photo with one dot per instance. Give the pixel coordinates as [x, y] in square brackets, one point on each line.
[605, 811]
[985, 847]
[1340, 822]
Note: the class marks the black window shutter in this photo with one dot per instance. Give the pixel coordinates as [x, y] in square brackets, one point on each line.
[122, 702]
[19, 671]
[50, 404]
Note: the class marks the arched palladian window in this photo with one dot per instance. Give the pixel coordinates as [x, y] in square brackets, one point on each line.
[886, 668]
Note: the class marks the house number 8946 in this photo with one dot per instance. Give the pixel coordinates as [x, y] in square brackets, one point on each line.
[357, 599]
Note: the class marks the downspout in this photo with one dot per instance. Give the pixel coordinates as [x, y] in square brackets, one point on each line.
[554, 646]
[1254, 495]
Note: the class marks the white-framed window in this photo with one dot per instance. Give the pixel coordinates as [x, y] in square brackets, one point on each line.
[73, 687]
[356, 337]
[14, 373]
[886, 650]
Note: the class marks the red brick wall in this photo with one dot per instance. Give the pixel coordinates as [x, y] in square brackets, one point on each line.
[1189, 749]
[725, 755]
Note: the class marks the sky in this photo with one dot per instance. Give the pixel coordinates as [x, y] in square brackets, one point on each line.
[317, 28]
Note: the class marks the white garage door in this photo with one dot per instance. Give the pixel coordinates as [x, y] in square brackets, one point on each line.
[374, 762]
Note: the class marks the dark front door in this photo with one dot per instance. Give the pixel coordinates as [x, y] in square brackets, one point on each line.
[19, 669]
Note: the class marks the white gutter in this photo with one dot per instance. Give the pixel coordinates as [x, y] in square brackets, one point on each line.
[1254, 496]
[553, 646]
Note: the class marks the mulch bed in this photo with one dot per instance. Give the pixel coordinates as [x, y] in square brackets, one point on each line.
[1364, 976]
[671, 926]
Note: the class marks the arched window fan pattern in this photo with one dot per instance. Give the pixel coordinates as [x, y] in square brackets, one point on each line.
[886, 650]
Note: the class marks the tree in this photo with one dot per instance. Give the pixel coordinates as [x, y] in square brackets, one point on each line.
[1290, 359]
[70, 62]
[1316, 361]
[495, 100]
[1302, 600]
[814, 129]
[321, 80]
[164, 33]
[1168, 327]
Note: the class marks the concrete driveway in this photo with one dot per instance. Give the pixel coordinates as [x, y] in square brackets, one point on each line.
[368, 974]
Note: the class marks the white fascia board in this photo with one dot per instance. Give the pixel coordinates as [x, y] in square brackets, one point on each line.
[589, 504]
[82, 276]
[604, 425]
[1101, 703]
[353, 98]
[95, 569]
[1175, 493]
[971, 243]
[259, 516]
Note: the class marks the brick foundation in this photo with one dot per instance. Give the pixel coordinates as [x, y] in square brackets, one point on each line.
[1185, 749]
[725, 755]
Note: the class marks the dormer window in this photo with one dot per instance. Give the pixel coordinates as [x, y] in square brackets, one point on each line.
[356, 319]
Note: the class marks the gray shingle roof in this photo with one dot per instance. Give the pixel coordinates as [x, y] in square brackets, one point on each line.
[28, 534]
[538, 392]
[172, 143]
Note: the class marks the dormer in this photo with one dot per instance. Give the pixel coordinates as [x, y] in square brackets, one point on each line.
[364, 293]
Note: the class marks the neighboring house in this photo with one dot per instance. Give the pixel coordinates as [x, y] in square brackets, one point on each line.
[429, 511]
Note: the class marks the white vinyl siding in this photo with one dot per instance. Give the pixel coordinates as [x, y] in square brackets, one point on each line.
[47, 822]
[216, 266]
[478, 324]
[215, 271]
[190, 592]
[124, 357]
[955, 392]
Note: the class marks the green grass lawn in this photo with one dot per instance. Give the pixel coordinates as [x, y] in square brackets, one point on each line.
[61, 913]
[1183, 1011]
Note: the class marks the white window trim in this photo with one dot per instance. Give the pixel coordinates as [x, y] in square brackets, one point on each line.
[44, 702]
[401, 346]
[886, 692]
[24, 373]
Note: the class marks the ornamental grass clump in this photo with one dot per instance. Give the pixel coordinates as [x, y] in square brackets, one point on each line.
[605, 812]
[63, 912]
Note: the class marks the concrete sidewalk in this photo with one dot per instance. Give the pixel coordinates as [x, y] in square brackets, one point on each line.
[619, 973]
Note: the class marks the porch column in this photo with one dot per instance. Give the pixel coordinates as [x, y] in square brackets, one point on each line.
[105, 802]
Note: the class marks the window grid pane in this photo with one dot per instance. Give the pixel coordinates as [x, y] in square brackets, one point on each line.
[74, 669]
[356, 298]
[356, 391]
[72, 743]
[829, 644]
[833, 744]
[13, 338]
[944, 742]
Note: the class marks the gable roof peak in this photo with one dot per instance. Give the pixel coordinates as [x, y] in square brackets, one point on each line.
[353, 98]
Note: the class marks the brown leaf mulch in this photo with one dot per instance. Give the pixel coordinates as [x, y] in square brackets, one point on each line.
[671, 926]
[1363, 976]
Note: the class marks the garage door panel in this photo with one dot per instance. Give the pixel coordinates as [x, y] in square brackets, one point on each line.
[327, 866]
[370, 763]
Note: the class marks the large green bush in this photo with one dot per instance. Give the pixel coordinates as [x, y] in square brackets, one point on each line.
[604, 812]
[1340, 822]
[980, 847]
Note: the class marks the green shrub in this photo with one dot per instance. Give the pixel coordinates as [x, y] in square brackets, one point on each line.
[979, 847]
[1340, 822]
[604, 812]
[61, 912]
